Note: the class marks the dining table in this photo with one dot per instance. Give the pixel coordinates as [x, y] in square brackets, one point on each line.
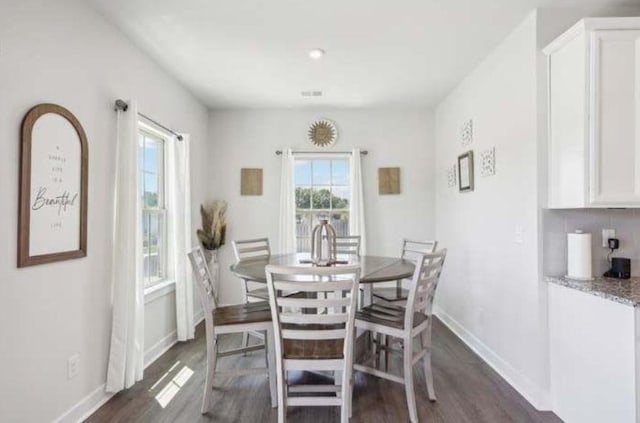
[374, 269]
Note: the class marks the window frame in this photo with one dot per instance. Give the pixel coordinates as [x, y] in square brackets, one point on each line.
[311, 212]
[155, 286]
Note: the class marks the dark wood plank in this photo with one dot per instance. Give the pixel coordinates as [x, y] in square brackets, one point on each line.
[468, 390]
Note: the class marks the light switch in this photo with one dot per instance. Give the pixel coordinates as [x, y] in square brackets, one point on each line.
[519, 234]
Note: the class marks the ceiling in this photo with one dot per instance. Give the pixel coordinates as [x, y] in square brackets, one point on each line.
[254, 53]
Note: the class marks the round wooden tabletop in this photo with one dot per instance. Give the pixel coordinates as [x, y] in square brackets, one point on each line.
[374, 268]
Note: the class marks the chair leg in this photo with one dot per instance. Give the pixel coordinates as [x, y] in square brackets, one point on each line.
[212, 352]
[408, 379]
[345, 409]
[271, 366]
[282, 396]
[245, 300]
[426, 363]
[377, 348]
[245, 340]
[386, 353]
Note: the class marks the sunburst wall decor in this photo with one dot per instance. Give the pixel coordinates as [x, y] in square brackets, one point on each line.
[323, 133]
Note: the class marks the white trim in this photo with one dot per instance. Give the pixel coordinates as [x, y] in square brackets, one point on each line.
[86, 407]
[521, 383]
[98, 397]
[158, 290]
[160, 347]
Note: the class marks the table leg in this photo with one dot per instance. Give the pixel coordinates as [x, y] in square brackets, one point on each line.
[367, 296]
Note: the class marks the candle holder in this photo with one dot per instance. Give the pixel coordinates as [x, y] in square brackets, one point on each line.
[323, 244]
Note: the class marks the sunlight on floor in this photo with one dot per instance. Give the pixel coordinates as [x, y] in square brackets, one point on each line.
[170, 390]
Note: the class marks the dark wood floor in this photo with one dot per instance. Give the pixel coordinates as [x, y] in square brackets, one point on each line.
[467, 389]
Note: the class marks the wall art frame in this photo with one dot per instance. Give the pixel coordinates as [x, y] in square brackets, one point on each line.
[54, 176]
[465, 172]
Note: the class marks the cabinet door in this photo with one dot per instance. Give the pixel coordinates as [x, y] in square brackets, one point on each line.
[568, 109]
[615, 118]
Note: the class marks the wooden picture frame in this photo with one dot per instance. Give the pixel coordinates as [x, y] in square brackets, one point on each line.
[52, 217]
[250, 181]
[465, 172]
[388, 180]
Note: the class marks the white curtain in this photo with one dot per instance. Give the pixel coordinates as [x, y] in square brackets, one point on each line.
[179, 231]
[356, 209]
[287, 242]
[126, 356]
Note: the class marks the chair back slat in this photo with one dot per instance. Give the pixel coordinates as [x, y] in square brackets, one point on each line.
[423, 285]
[251, 249]
[204, 282]
[313, 303]
[322, 311]
[348, 245]
[413, 250]
[315, 334]
[307, 319]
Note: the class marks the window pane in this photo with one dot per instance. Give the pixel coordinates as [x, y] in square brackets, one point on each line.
[341, 197]
[302, 172]
[150, 184]
[321, 172]
[153, 246]
[340, 222]
[303, 232]
[303, 197]
[321, 198]
[340, 172]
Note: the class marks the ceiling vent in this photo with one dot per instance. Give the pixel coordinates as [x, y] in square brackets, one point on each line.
[311, 93]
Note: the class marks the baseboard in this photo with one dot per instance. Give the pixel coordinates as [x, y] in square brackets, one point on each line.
[159, 348]
[86, 407]
[96, 399]
[197, 318]
[516, 379]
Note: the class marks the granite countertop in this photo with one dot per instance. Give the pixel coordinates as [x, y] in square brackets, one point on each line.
[623, 291]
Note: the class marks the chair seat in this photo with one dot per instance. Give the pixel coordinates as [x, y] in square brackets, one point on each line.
[387, 315]
[391, 294]
[315, 349]
[242, 313]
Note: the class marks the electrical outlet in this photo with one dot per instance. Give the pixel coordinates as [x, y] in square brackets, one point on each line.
[73, 366]
[606, 234]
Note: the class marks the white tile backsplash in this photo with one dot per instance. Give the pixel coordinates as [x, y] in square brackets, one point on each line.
[557, 223]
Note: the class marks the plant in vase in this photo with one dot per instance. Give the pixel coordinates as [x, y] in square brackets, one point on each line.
[213, 232]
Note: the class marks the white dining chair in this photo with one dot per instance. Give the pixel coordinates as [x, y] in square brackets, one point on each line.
[348, 245]
[404, 324]
[227, 320]
[252, 250]
[315, 333]
[411, 250]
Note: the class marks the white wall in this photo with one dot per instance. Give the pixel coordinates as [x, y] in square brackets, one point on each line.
[393, 137]
[63, 52]
[490, 292]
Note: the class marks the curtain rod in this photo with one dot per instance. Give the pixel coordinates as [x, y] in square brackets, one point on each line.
[122, 105]
[363, 152]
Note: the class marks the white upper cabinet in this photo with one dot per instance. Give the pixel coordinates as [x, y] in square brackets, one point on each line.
[594, 115]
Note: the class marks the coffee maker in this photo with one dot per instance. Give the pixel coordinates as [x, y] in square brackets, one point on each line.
[620, 266]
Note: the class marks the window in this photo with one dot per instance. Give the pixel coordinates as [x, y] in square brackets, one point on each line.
[323, 191]
[151, 164]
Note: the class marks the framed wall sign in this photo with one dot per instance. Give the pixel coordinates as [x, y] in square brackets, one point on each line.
[52, 220]
[465, 172]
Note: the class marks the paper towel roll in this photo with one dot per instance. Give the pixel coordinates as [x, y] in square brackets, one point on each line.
[579, 256]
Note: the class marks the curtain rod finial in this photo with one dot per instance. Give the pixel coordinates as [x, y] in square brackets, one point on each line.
[121, 105]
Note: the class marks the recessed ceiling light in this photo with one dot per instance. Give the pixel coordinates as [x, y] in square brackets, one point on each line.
[317, 53]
